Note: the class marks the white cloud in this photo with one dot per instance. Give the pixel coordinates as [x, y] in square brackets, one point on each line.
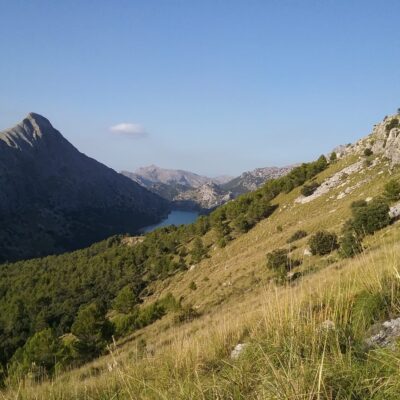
[129, 129]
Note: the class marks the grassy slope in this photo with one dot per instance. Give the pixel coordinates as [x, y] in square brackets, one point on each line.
[289, 356]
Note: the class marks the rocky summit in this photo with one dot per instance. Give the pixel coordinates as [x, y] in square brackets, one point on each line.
[54, 198]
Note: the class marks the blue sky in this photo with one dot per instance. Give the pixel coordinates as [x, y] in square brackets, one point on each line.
[216, 87]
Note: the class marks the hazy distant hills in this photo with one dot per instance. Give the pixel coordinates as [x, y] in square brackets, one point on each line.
[54, 198]
[152, 174]
[192, 191]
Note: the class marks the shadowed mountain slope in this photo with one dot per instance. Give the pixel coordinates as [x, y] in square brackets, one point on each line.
[54, 198]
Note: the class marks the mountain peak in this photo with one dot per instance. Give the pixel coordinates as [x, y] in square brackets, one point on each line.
[39, 123]
[31, 129]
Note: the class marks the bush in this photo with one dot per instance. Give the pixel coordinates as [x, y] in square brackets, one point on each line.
[278, 259]
[149, 314]
[242, 224]
[371, 217]
[350, 243]
[192, 285]
[309, 189]
[368, 152]
[322, 243]
[186, 314]
[394, 123]
[392, 190]
[297, 236]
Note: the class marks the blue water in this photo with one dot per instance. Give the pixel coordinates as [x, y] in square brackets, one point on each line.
[174, 218]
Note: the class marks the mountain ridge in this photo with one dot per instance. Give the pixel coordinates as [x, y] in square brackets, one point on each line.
[189, 190]
[71, 199]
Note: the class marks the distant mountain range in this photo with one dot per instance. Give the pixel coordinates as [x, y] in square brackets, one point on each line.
[188, 190]
[54, 198]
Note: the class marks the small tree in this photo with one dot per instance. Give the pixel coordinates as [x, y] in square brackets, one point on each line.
[392, 190]
[125, 300]
[39, 355]
[333, 157]
[322, 243]
[92, 329]
[198, 250]
[278, 260]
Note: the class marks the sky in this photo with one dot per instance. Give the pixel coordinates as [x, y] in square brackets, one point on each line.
[211, 86]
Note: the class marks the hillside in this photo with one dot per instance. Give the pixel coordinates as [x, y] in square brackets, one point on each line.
[303, 328]
[54, 198]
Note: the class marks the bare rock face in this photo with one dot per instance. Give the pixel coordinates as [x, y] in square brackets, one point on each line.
[384, 140]
[54, 198]
[207, 196]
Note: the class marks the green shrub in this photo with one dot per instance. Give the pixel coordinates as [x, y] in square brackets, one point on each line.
[394, 123]
[297, 236]
[126, 323]
[371, 217]
[350, 243]
[192, 285]
[279, 228]
[125, 300]
[169, 302]
[242, 224]
[392, 190]
[278, 259]
[186, 314]
[309, 189]
[368, 152]
[149, 314]
[322, 243]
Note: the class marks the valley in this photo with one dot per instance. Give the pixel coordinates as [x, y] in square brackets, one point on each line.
[251, 276]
